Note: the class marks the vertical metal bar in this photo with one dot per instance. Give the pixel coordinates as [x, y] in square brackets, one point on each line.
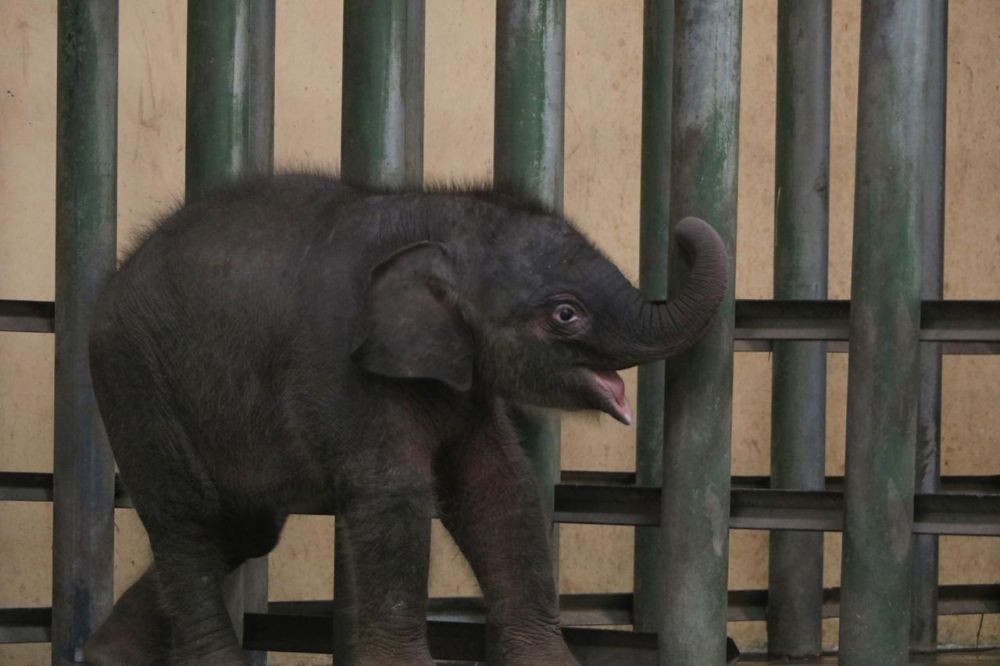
[413, 94]
[530, 96]
[230, 134]
[86, 171]
[882, 393]
[528, 162]
[924, 598]
[260, 80]
[381, 147]
[260, 160]
[798, 405]
[654, 214]
[696, 451]
[382, 119]
[218, 94]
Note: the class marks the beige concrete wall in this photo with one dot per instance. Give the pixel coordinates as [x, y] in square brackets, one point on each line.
[602, 175]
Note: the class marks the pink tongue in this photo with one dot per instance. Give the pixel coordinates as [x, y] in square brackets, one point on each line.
[615, 387]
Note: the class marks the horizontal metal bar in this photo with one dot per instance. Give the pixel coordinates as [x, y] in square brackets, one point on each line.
[452, 641]
[986, 484]
[25, 625]
[840, 347]
[964, 327]
[26, 486]
[37, 486]
[941, 321]
[31, 625]
[448, 640]
[969, 514]
[967, 325]
[792, 320]
[27, 316]
[578, 610]
[965, 506]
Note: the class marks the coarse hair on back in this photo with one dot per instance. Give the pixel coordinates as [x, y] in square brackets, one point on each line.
[479, 189]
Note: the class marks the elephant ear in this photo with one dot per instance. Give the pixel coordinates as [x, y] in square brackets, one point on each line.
[413, 328]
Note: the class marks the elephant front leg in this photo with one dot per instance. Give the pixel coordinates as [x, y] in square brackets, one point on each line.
[190, 570]
[490, 505]
[386, 546]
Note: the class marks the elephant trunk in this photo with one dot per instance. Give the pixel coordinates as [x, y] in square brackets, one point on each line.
[661, 329]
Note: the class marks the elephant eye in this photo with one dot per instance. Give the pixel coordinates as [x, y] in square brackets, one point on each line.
[565, 314]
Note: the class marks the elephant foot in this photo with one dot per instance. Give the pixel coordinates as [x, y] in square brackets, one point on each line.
[536, 658]
[535, 645]
[229, 656]
[375, 654]
[414, 658]
[135, 634]
[110, 649]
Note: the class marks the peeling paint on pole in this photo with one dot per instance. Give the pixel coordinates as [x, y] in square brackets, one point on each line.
[924, 596]
[698, 413]
[882, 394]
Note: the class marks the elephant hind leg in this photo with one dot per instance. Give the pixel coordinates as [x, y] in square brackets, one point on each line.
[137, 633]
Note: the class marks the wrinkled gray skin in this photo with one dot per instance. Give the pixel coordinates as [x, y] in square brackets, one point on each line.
[294, 340]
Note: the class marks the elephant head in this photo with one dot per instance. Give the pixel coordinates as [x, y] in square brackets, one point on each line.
[520, 304]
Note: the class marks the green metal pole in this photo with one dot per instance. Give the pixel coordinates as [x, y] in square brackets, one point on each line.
[883, 377]
[381, 147]
[218, 94]
[230, 134]
[654, 213]
[261, 83]
[696, 451]
[260, 160]
[924, 598]
[382, 118]
[798, 405]
[528, 162]
[86, 173]
[530, 91]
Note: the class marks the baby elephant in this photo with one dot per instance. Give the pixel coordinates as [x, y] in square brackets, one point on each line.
[293, 339]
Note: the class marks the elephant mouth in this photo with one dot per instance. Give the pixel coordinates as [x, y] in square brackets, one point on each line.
[611, 389]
